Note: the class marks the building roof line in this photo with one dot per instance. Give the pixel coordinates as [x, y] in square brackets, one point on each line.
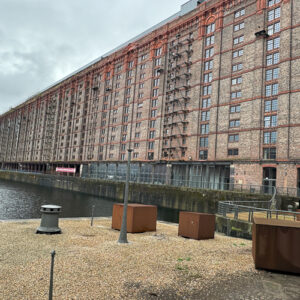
[185, 9]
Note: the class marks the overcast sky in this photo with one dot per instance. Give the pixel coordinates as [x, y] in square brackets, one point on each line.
[42, 41]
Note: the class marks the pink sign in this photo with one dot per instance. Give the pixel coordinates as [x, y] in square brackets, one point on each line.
[66, 170]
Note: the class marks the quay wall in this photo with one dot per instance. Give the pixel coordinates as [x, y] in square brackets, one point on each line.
[181, 198]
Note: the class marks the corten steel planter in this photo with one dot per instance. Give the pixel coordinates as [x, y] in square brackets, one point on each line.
[198, 226]
[276, 245]
[140, 218]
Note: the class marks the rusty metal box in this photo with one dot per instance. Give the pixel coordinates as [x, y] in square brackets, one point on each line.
[140, 217]
[198, 226]
[276, 245]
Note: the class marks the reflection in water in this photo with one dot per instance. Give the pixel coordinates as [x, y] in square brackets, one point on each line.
[23, 201]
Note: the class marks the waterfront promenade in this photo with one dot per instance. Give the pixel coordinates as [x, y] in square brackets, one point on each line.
[158, 265]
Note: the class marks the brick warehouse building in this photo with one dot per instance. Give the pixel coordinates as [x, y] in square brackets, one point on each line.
[212, 91]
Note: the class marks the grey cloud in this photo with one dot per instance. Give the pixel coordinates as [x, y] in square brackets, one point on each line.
[42, 41]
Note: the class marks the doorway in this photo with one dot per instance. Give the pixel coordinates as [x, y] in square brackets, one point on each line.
[269, 180]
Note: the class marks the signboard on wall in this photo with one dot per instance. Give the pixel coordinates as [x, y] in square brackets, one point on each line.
[66, 170]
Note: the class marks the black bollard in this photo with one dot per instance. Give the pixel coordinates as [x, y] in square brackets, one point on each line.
[92, 218]
[51, 275]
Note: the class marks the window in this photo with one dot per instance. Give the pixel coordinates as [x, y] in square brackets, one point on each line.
[152, 134]
[150, 156]
[153, 113]
[155, 92]
[272, 74]
[124, 137]
[128, 91]
[207, 90]
[151, 145]
[274, 28]
[210, 40]
[136, 145]
[238, 27]
[203, 154]
[270, 137]
[208, 65]
[123, 156]
[233, 152]
[135, 155]
[143, 66]
[204, 128]
[204, 142]
[238, 40]
[119, 68]
[152, 123]
[137, 135]
[129, 73]
[138, 125]
[130, 64]
[273, 14]
[206, 102]
[139, 115]
[273, 59]
[239, 13]
[127, 100]
[124, 128]
[270, 121]
[232, 138]
[144, 56]
[158, 51]
[142, 76]
[271, 105]
[237, 80]
[209, 52]
[154, 103]
[269, 153]
[157, 62]
[156, 82]
[235, 109]
[141, 85]
[238, 53]
[271, 89]
[125, 119]
[140, 95]
[210, 28]
[123, 147]
[205, 115]
[237, 67]
[207, 77]
[273, 44]
[235, 95]
[272, 2]
[234, 123]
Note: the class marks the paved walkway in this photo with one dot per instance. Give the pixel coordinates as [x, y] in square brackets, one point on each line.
[261, 286]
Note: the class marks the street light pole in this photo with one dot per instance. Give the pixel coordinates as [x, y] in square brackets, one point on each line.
[123, 232]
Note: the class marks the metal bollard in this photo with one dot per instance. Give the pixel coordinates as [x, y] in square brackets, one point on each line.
[92, 218]
[51, 275]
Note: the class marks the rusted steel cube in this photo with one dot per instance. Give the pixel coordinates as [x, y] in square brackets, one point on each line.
[140, 217]
[276, 245]
[198, 226]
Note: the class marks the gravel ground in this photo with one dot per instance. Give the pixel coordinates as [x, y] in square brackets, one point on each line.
[90, 264]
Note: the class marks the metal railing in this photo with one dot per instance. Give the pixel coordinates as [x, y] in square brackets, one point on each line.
[247, 210]
[193, 181]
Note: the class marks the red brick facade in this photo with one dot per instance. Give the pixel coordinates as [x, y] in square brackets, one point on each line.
[218, 84]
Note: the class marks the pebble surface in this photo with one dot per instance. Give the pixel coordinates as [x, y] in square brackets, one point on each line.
[90, 264]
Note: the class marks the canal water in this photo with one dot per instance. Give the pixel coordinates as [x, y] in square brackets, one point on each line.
[23, 201]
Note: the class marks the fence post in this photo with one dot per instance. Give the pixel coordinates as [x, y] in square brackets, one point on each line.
[236, 212]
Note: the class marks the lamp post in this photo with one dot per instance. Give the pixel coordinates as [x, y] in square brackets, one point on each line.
[123, 232]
